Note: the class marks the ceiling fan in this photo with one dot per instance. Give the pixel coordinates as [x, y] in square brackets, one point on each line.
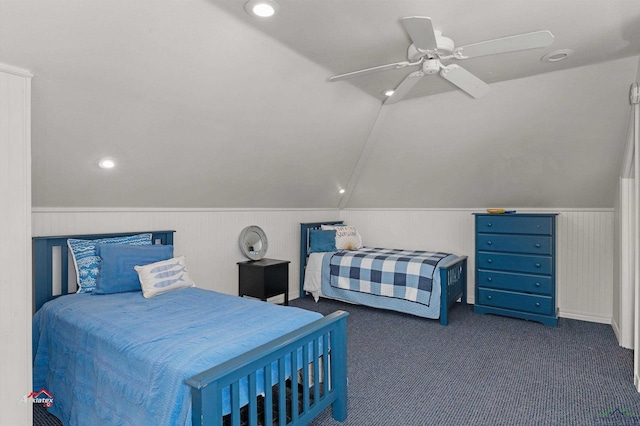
[429, 48]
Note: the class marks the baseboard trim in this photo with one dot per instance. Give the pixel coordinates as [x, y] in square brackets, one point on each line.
[585, 317]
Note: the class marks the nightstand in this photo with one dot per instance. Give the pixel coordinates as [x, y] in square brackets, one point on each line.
[264, 278]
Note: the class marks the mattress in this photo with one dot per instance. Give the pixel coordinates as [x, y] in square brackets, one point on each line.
[317, 282]
[122, 359]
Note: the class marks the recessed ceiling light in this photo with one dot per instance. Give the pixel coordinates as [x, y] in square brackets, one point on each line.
[557, 55]
[261, 8]
[341, 191]
[388, 92]
[107, 163]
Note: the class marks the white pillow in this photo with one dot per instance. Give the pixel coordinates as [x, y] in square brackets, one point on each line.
[347, 237]
[164, 276]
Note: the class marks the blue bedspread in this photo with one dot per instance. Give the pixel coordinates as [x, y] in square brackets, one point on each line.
[400, 274]
[122, 359]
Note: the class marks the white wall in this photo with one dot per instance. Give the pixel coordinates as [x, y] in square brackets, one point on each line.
[623, 291]
[624, 296]
[584, 248]
[15, 245]
[209, 239]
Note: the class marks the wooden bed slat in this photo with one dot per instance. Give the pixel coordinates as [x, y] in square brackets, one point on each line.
[253, 399]
[268, 398]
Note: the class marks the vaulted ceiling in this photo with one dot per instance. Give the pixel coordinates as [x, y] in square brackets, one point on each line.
[203, 105]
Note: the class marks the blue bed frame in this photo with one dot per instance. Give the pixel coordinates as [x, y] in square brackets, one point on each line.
[453, 275]
[325, 338]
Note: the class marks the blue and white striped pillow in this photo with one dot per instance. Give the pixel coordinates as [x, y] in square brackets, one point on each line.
[87, 261]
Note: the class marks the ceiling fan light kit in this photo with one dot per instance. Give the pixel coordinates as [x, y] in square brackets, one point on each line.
[429, 48]
[431, 66]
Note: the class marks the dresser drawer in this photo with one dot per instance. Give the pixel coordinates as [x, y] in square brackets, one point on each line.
[535, 244]
[515, 224]
[517, 282]
[517, 301]
[515, 262]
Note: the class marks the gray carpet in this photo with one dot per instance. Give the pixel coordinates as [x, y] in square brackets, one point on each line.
[482, 370]
[479, 370]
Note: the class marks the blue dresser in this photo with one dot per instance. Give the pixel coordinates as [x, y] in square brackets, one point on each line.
[516, 266]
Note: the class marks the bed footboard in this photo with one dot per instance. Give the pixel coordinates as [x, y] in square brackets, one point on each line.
[453, 283]
[325, 339]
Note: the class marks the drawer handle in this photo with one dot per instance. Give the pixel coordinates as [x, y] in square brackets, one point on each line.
[489, 225]
[488, 297]
[537, 304]
[489, 243]
[538, 284]
[489, 260]
[489, 279]
[537, 265]
[538, 245]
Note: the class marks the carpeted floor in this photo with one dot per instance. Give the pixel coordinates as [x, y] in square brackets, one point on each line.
[479, 370]
[482, 370]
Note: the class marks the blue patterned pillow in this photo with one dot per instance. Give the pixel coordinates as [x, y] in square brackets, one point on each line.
[87, 261]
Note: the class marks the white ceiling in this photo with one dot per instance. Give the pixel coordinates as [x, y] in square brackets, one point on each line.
[344, 36]
[205, 106]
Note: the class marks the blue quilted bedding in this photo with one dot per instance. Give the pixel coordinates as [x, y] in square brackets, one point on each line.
[121, 359]
[400, 274]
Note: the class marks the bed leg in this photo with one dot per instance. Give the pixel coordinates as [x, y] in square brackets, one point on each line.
[444, 317]
[463, 279]
[445, 281]
[339, 370]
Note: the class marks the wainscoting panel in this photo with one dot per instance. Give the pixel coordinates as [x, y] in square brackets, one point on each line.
[584, 248]
[585, 265]
[208, 238]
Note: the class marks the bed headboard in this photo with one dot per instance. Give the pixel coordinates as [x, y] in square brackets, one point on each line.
[304, 245]
[51, 261]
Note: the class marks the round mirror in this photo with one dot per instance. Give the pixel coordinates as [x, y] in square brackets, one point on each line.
[253, 242]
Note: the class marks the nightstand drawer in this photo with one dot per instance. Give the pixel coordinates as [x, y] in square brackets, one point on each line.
[516, 282]
[516, 301]
[534, 244]
[514, 263]
[515, 224]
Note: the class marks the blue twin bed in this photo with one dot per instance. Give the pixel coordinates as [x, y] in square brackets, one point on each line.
[185, 357]
[417, 282]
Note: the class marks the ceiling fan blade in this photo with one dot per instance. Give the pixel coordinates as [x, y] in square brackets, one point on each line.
[405, 87]
[507, 44]
[393, 66]
[465, 80]
[420, 30]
